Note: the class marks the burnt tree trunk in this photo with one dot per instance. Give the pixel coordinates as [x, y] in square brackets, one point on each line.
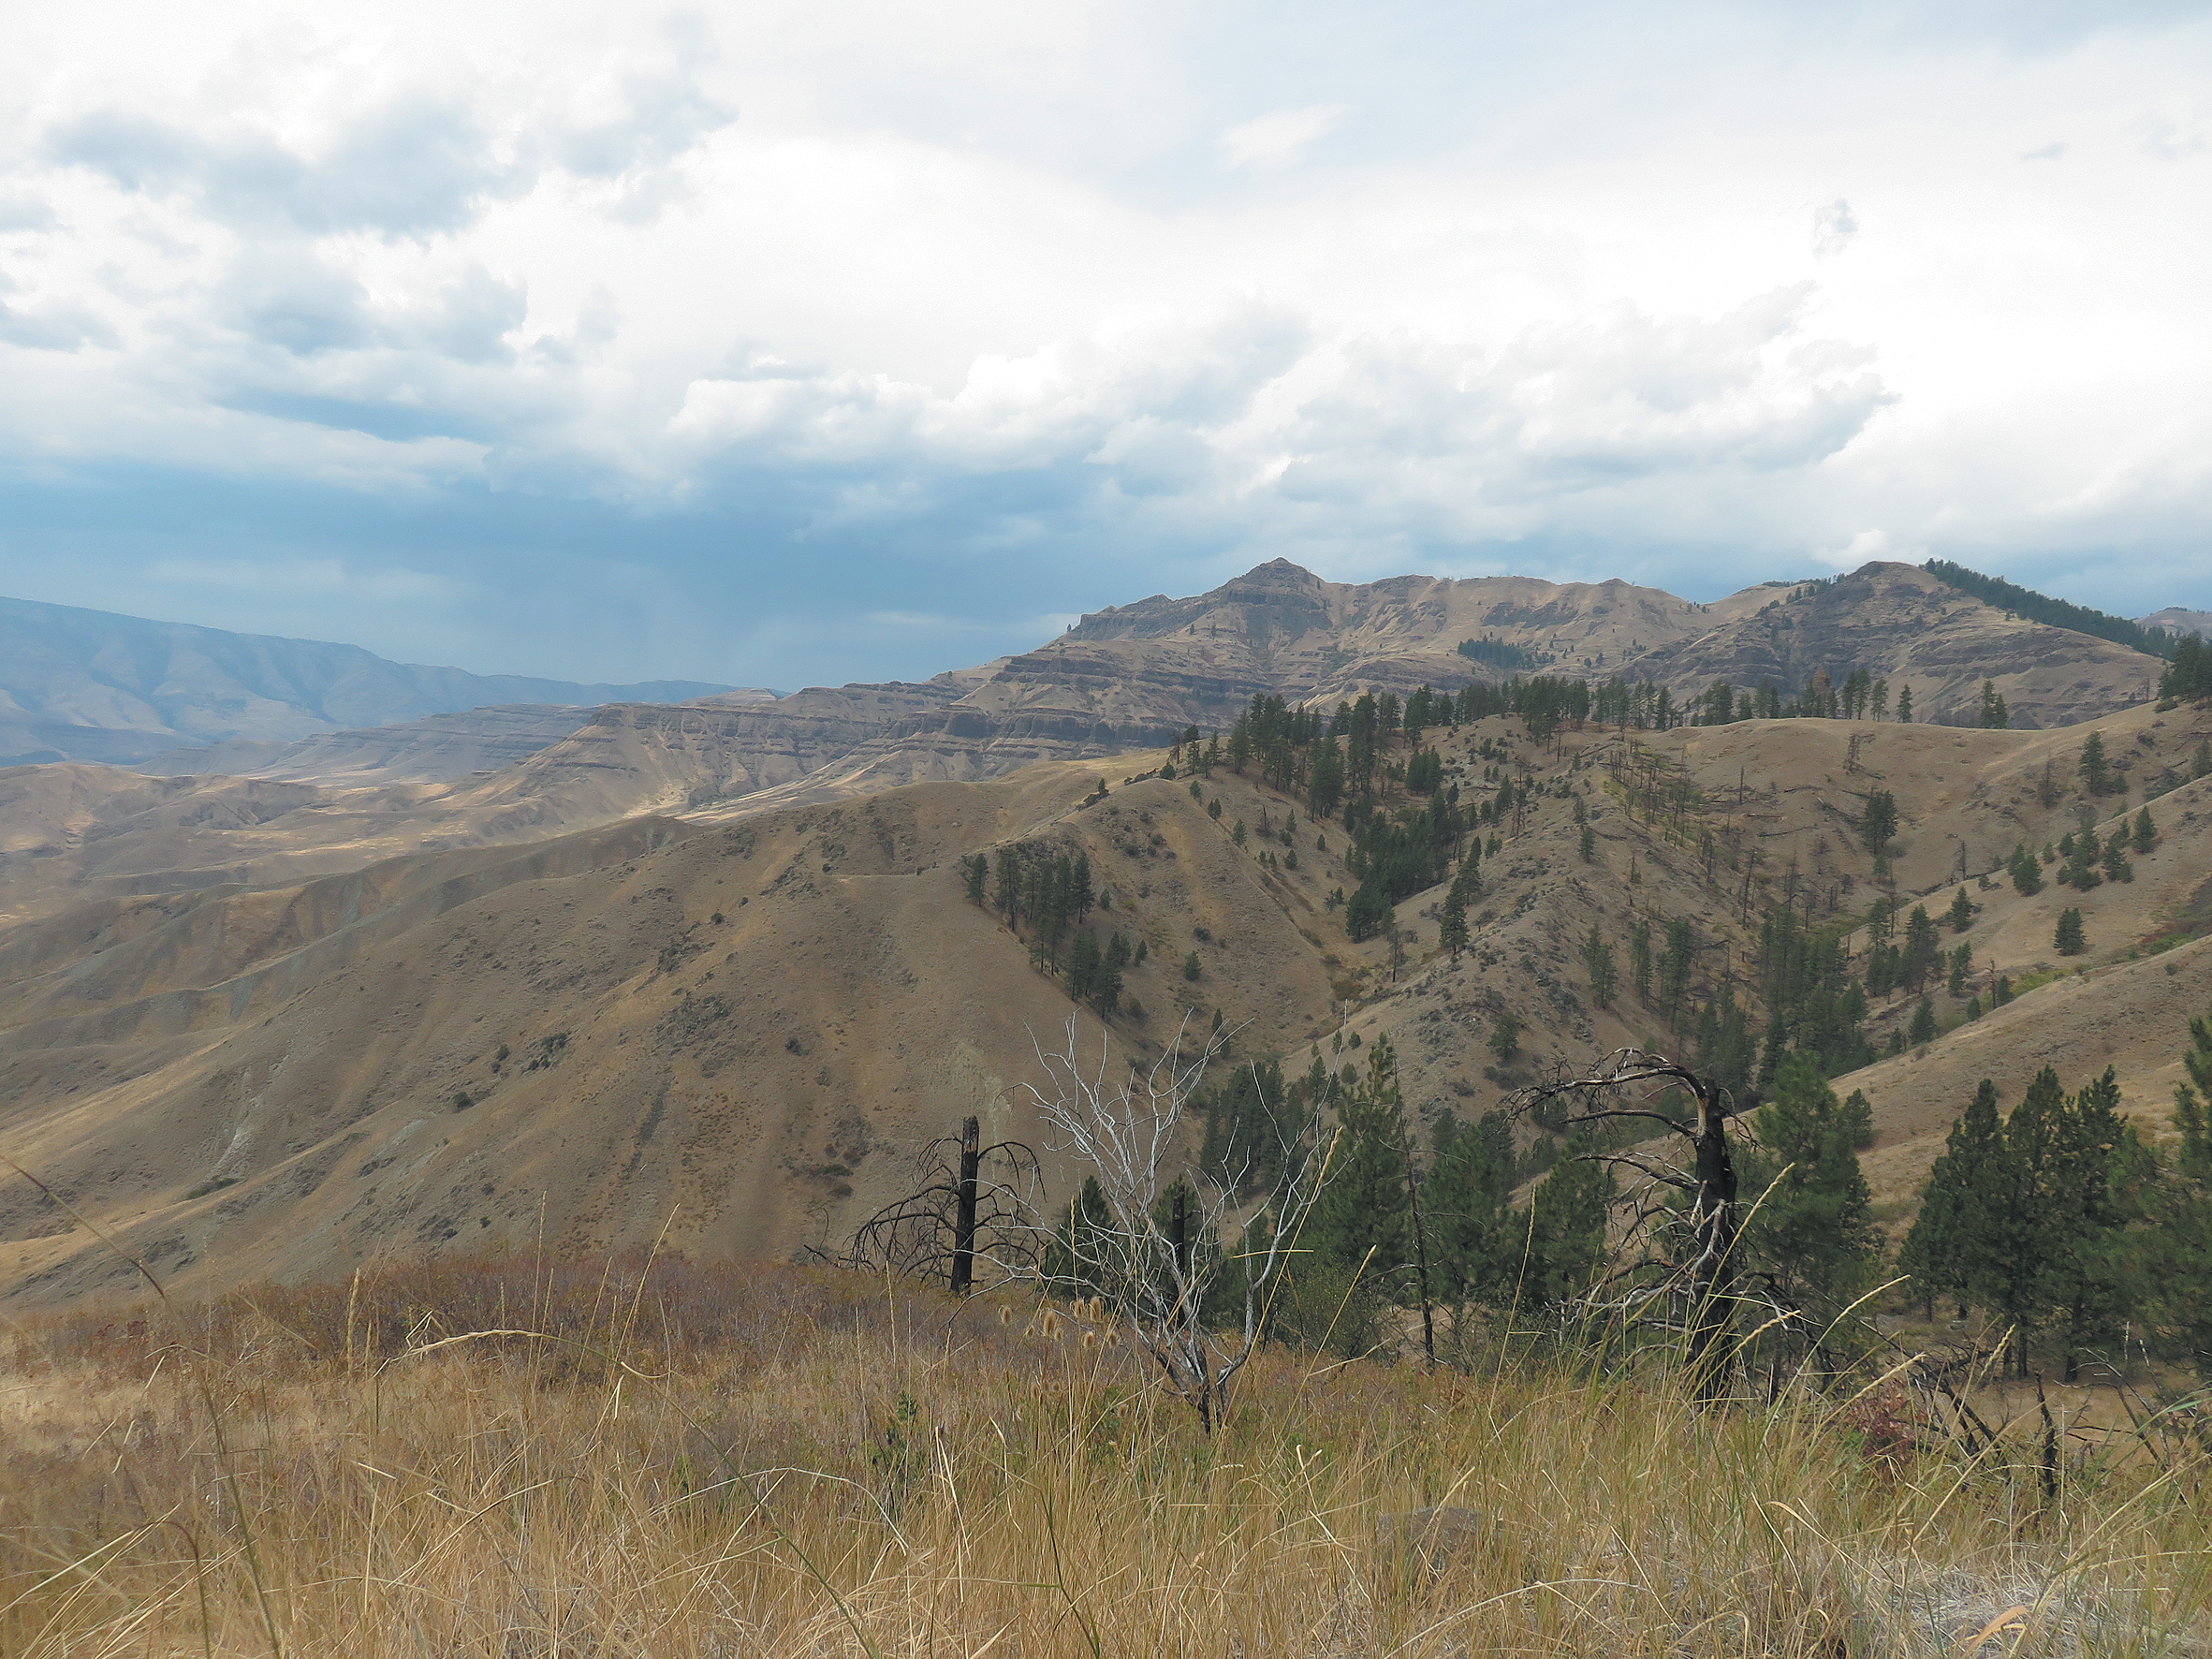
[1712, 1276]
[963, 1213]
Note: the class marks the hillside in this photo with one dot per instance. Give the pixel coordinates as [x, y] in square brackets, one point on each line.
[80, 684]
[741, 1030]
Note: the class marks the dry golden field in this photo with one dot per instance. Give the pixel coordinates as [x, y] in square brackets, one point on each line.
[692, 1461]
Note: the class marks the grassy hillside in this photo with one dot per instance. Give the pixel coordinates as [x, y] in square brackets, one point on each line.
[688, 1461]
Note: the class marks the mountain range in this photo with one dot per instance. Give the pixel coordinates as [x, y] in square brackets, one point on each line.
[710, 969]
[91, 685]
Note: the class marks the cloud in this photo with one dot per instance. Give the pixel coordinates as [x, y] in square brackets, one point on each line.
[985, 315]
[1833, 227]
[2051, 152]
[1278, 138]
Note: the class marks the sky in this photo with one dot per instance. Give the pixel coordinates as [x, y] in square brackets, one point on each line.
[786, 343]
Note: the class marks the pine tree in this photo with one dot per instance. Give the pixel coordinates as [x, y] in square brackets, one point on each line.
[1473, 1246]
[1814, 1225]
[1363, 1219]
[1878, 823]
[2069, 939]
[1941, 1252]
[1587, 845]
[2096, 772]
[2146, 833]
[1994, 714]
[2180, 1260]
[1639, 958]
[1450, 933]
[1505, 1039]
[977, 870]
[1924, 1024]
[1961, 914]
[1564, 1241]
[2026, 871]
[1597, 956]
[1905, 705]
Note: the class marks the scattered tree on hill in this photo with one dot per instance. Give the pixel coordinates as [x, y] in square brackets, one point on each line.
[976, 870]
[2069, 939]
[1450, 933]
[2026, 871]
[1961, 914]
[1993, 714]
[1878, 822]
[1639, 958]
[1587, 843]
[2095, 769]
[1505, 1037]
[2116, 867]
[2179, 1269]
[1924, 1024]
[2190, 674]
[1597, 957]
[2145, 835]
[1904, 705]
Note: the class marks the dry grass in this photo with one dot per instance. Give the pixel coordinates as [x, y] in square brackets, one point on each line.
[768, 1461]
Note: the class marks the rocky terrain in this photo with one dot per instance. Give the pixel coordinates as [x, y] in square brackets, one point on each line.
[710, 969]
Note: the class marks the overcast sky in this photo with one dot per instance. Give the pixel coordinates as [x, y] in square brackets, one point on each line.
[781, 344]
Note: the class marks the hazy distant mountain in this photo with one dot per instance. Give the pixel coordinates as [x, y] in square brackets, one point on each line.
[2174, 619]
[83, 684]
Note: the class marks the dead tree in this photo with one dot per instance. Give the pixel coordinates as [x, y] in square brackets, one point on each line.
[1171, 1230]
[976, 1204]
[1682, 1272]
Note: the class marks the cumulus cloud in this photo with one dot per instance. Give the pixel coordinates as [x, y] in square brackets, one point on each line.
[996, 314]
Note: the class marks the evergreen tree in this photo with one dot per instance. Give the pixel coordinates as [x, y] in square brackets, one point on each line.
[2095, 769]
[2116, 867]
[1363, 1218]
[1923, 949]
[1814, 1225]
[1994, 714]
[2069, 939]
[1639, 958]
[977, 870]
[1082, 1258]
[1009, 886]
[1924, 1024]
[1597, 956]
[2146, 835]
[1878, 823]
[1587, 845]
[1961, 914]
[1505, 1039]
[1904, 705]
[1564, 1243]
[1450, 933]
[2180, 1260]
[1943, 1251]
[2026, 871]
[1473, 1246]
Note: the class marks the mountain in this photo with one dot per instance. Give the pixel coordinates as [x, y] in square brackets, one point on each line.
[738, 1034]
[2176, 619]
[90, 685]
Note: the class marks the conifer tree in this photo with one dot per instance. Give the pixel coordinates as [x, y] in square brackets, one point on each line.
[1961, 914]
[2026, 871]
[1450, 933]
[1924, 1024]
[1814, 1226]
[2181, 1261]
[1597, 956]
[1362, 1218]
[1565, 1239]
[2095, 769]
[2146, 835]
[1473, 1244]
[1942, 1253]
[2069, 939]
[1904, 705]
[1878, 822]
[1994, 716]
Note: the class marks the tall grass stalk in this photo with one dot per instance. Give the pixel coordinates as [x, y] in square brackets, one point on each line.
[676, 1461]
